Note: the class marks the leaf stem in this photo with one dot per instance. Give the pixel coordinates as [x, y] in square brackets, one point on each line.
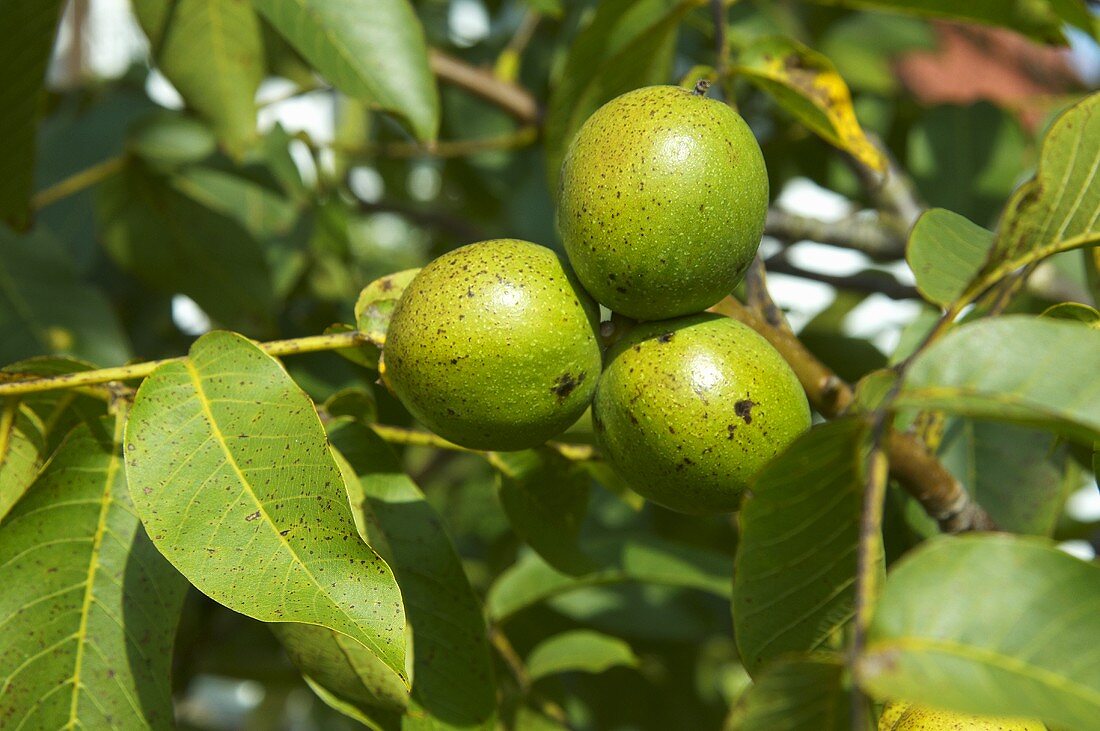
[416, 438]
[77, 182]
[136, 371]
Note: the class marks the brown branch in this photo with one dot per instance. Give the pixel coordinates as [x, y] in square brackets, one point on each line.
[870, 282]
[892, 192]
[921, 475]
[875, 238]
[512, 98]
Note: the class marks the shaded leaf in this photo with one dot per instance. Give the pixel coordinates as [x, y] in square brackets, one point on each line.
[89, 609]
[579, 651]
[344, 674]
[794, 575]
[372, 50]
[1059, 209]
[990, 624]
[945, 251]
[864, 46]
[45, 308]
[29, 28]
[1075, 312]
[545, 497]
[643, 559]
[1038, 372]
[262, 211]
[795, 694]
[627, 44]
[176, 244]
[232, 477]
[212, 52]
[1021, 476]
[805, 83]
[167, 140]
[1030, 17]
[453, 684]
[22, 451]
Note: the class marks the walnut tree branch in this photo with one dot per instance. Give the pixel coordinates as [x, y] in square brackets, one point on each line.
[876, 239]
[512, 98]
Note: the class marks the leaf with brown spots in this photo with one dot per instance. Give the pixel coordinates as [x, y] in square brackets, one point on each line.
[806, 84]
[235, 484]
[89, 608]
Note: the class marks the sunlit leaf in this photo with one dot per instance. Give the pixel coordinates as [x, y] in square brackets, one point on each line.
[212, 52]
[945, 251]
[1059, 209]
[28, 27]
[990, 624]
[231, 475]
[806, 84]
[372, 50]
[546, 496]
[1038, 372]
[794, 576]
[579, 651]
[89, 608]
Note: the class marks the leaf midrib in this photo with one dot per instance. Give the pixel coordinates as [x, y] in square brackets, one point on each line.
[219, 437]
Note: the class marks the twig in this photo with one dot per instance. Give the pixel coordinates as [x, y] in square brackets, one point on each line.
[878, 240]
[756, 291]
[508, 62]
[416, 438]
[522, 137]
[921, 475]
[77, 182]
[511, 658]
[512, 98]
[870, 282]
[137, 371]
[892, 192]
[721, 45]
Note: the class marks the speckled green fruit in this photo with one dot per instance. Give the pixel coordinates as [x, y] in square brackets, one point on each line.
[891, 712]
[661, 203]
[916, 718]
[688, 410]
[494, 346]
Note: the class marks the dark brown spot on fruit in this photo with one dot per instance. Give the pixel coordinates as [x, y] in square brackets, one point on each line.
[743, 409]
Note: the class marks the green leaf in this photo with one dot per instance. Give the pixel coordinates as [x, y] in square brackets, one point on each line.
[1034, 371]
[579, 651]
[1059, 209]
[1021, 476]
[627, 44]
[794, 575]
[57, 410]
[945, 252]
[968, 158]
[1030, 17]
[374, 306]
[212, 52]
[262, 211]
[231, 475]
[453, 685]
[645, 559]
[795, 694]
[167, 139]
[806, 84]
[372, 50]
[89, 608]
[45, 308]
[864, 46]
[345, 674]
[22, 451]
[176, 244]
[990, 624]
[29, 28]
[545, 497]
[1074, 312]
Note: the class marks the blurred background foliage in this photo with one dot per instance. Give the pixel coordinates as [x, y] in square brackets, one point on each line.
[260, 199]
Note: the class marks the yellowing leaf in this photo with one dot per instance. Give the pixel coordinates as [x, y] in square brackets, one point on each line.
[806, 84]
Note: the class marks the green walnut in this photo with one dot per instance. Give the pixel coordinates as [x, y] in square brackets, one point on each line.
[906, 717]
[494, 346]
[688, 410]
[661, 203]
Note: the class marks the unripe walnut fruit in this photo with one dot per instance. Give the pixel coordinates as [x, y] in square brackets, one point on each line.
[494, 346]
[688, 410]
[661, 202]
[907, 717]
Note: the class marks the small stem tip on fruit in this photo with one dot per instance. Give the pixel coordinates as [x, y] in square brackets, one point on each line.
[701, 87]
